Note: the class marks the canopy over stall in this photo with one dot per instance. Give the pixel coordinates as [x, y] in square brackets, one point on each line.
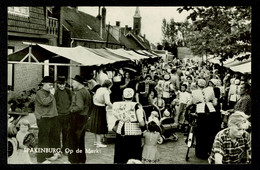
[242, 68]
[124, 53]
[133, 53]
[239, 63]
[147, 53]
[215, 60]
[71, 57]
[82, 55]
[236, 62]
[107, 54]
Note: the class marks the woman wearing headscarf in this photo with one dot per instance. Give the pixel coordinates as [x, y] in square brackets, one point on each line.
[205, 100]
[128, 133]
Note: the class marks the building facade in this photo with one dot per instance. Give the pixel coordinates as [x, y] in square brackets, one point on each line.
[28, 25]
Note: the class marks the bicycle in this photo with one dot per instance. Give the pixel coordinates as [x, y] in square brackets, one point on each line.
[191, 134]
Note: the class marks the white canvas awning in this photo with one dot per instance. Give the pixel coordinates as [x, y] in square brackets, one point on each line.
[242, 68]
[215, 60]
[236, 62]
[124, 53]
[82, 56]
[78, 54]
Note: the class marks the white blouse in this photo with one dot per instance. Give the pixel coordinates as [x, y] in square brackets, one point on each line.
[102, 96]
[202, 98]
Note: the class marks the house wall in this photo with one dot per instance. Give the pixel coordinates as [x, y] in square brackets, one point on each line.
[74, 70]
[27, 77]
[34, 24]
[17, 42]
[34, 28]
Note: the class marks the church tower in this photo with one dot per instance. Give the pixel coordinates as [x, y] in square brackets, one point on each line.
[137, 22]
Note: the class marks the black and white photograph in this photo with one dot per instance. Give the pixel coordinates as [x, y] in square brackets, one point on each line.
[129, 85]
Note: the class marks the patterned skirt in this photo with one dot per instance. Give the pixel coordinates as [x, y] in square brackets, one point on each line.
[150, 155]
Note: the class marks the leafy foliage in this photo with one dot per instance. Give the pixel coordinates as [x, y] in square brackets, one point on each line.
[24, 102]
[218, 30]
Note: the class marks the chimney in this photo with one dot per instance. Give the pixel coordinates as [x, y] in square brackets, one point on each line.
[104, 12]
[118, 23]
[99, 16]
[100, 22]
[126, 29]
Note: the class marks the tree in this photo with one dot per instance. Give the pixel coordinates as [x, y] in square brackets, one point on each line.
[173, 35]
[219, 30]
[169, 31]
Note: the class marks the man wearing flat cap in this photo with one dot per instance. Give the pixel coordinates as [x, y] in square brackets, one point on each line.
[81, 104]
[63, 96]
[128, 134]
[46, 118]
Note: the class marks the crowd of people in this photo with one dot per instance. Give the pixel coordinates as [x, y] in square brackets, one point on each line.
[141, 97]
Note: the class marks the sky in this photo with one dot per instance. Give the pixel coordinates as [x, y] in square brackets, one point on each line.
[151, 21]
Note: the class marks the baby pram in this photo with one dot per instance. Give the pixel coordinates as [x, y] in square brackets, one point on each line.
[168, 129]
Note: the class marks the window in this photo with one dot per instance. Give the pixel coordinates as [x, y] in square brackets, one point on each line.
[10, 71]
[10, 75]
[10, 50]
[21, 11]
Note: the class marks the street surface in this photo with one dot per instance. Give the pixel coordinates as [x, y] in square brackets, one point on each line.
[171, 152]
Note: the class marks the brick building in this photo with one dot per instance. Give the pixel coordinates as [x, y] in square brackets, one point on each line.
[32, 25]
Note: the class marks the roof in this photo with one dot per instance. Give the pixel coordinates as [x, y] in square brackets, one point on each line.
[132, 41]
[83, 25]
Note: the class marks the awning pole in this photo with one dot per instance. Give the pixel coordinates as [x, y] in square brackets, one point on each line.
[55, 74]
[30, 53]
[70, 77]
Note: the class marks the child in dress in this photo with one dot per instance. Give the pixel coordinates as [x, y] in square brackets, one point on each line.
[158, 102]
[150, 154]
[24, 139]
[183, 99]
